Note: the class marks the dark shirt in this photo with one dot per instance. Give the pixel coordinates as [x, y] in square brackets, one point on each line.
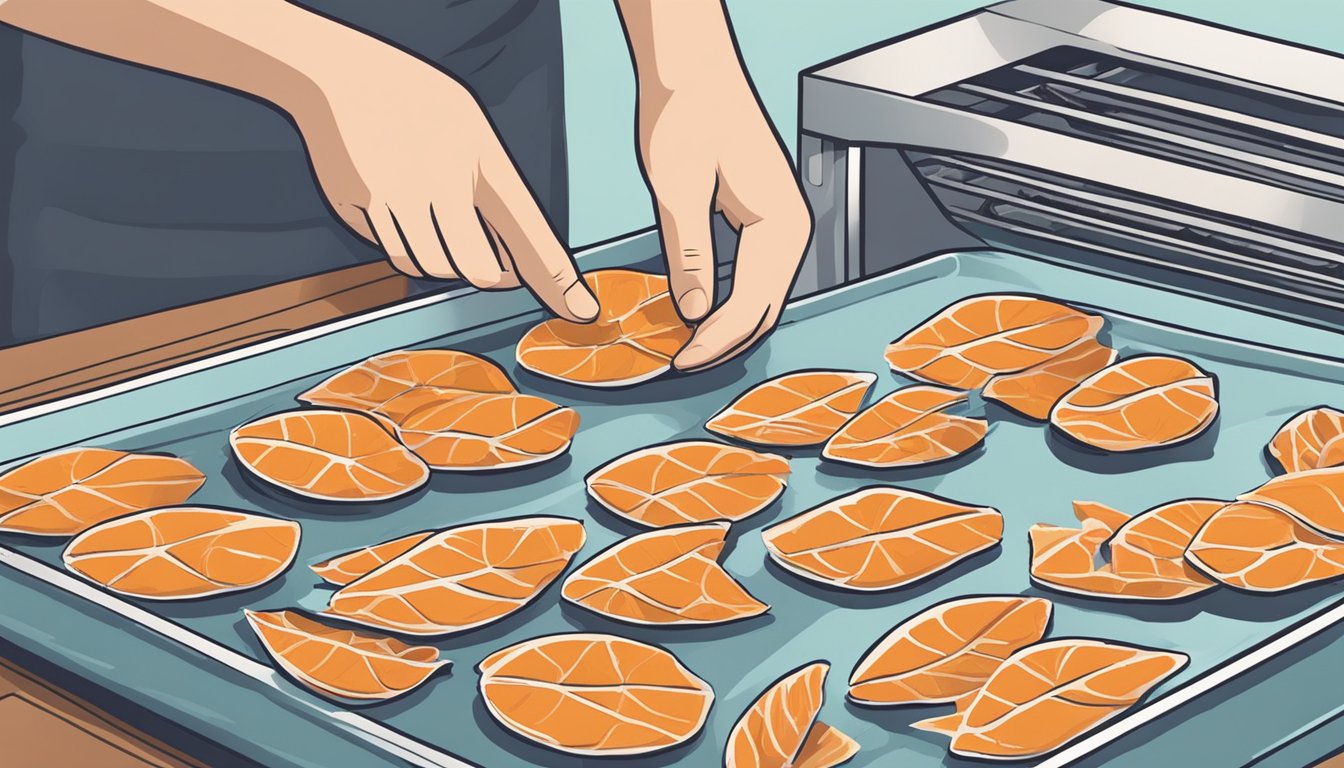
[135, 190]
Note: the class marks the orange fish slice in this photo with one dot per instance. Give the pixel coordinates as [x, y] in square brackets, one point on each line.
[907, 428]
[947, 651]
[968, 343]
[64, 493]
[1142, 402]
[1147, 552]
[879, 538]
[175, 553]
[347, 567]
[780, 729]
[797, 409]
[689, 482]
[462, 577]
[1315, 497]
[1313, 439]
[664, 576]
[482, 432]
[342, 663]
[635, 336]
[371, 385]
[1035, 391]
[329, 455]
[1262, 549]
[1050, 693]
[593, 694]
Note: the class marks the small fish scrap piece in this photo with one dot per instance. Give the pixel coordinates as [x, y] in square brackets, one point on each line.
[781, 730]
[67, 492]
[797, 409]
[881, 538]
[1150, 401]
[343, 664]
[968, 343]
[693, 481]
[594, 695]
[908, 427]
[947, 651]
[1313, 439]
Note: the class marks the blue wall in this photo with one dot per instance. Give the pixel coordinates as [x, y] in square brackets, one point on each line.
[778, 38]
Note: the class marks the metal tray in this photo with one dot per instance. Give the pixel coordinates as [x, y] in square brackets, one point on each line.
[200, 660]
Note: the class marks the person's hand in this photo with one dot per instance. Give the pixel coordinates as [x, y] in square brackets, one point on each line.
[706, 146]
[407, 159]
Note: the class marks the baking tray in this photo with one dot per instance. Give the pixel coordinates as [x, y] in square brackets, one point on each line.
[200, 659]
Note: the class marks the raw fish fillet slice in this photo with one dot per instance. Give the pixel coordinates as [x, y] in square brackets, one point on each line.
[880, 538]
[347, 567]
[462, 578]
[970, 342]
[1035, 391]
[328, 455]
[947, 651]
[66, 492]
[1263, 549]
[1150, 401]
[594, 694]
[1147, 552]
[665, 576]
[634, 338]
[909, 427]
[780, 729]
[1315, 497]
[1048, 694]
[1313, 439]
[483, 432]
[341, 663]
[797, 409]
[174, 553]
[689, 482]
[371, 385]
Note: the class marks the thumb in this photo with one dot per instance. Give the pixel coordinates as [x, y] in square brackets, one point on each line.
[689, 249]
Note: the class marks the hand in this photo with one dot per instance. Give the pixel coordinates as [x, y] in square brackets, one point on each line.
[407, 158]
[706, 146]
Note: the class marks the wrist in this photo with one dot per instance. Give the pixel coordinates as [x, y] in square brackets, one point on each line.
[680, 46]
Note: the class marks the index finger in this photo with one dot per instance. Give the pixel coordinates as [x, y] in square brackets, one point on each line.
[543, 264]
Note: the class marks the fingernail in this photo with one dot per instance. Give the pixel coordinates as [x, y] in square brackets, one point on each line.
[580, 302]
[694, 304]
[690, 357]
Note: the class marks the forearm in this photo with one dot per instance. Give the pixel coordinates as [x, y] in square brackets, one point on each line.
[267, 48]
[679, 43]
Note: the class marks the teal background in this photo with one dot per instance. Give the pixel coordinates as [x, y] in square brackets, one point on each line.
[779, 38]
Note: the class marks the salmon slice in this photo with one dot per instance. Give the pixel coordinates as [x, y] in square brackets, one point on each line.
[1313, 439]
[1049, 694]
[328, 455]
[970, 342]
[1263, 549]
[947, 651]
[594, 694]
[1035, 391]
[174, 553]
[348, 567]
[879, 538]
[907, 428]
[67, 492]
[797, 409]
[780, 729]
[634, 338]
[1315, 497]
[482, 432]
[664, 576]
[1147, 552]
[340, 663]
[689, 482]
[1150, 401]
[371, 385]
[462, 578]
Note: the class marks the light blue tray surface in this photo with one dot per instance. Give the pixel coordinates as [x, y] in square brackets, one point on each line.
[1023, 470]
